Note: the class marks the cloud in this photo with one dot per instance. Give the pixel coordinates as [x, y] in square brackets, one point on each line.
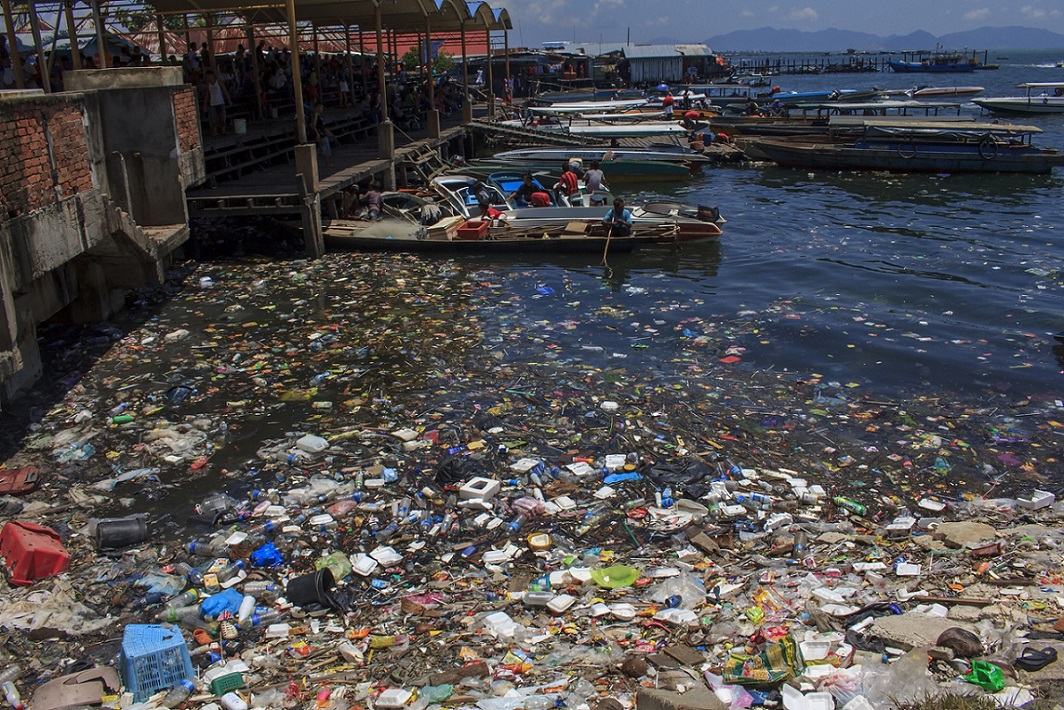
[1033, 12]
[548, 12]
[805, 14]
[608, 5]
[980, 13]
[746, 13]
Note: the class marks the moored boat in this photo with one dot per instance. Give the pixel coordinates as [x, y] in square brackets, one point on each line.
[916, 147]
[1033, 103]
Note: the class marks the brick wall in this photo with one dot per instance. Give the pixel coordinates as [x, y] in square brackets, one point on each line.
[44, 153]
[188, 130]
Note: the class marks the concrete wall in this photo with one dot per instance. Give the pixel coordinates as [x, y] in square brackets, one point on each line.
[91, 200]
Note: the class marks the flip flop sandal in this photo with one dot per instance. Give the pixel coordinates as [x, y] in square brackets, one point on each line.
[1035, 659]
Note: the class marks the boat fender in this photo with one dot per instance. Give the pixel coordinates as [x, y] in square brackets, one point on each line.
[988, 148]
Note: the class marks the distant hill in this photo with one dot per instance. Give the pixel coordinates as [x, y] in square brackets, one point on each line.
[834, 39]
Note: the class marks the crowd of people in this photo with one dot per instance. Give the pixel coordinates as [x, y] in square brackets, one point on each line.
[229, 89]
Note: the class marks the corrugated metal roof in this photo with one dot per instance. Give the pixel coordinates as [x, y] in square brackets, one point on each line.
[662, 51]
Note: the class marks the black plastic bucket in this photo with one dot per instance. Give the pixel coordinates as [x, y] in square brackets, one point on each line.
[113, 533]
[310, 589]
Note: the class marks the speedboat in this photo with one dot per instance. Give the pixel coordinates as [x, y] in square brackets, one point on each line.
[673, 221]
[1032, 103]
[936, 92]
[915, 147]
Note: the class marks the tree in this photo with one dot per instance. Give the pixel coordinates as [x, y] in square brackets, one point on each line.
[138, 20]
[412, 60]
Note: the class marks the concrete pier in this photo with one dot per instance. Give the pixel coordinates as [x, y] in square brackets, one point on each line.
[92, 200]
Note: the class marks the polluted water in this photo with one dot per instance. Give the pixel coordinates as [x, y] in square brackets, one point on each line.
[376, 481]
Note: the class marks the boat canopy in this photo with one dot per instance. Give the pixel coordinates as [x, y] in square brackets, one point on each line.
[584, 107]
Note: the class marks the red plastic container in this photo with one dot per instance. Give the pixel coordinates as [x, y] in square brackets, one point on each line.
[474, 230]
[17, 481]
[32, 552]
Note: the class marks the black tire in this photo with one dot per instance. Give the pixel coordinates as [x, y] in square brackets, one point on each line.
[988, 148]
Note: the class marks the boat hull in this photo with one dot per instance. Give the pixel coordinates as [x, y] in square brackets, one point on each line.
[905, 157]
[1035, 106]
[932, 68]
[553, 245]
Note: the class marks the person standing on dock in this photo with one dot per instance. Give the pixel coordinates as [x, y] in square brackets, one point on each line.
[217, 99]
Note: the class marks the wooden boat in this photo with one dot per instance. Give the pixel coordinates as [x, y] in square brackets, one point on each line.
[916, 147]
[1032, 103]
[816, 118]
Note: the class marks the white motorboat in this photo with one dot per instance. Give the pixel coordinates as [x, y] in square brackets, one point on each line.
[658, 153]
[1042, 97]
[579, 107]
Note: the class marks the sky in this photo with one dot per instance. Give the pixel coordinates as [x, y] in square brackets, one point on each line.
[537, 21]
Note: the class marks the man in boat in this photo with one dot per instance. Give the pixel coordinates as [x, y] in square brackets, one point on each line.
[483, 200]
[593, 179]
[373, 201]
[430, 212]
[568, 183]
[618, 220]
[666, 103]
[522, 196]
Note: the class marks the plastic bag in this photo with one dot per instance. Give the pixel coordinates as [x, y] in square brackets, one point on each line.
[688, 587]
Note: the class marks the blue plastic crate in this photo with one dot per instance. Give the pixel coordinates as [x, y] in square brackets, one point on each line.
[154, 658]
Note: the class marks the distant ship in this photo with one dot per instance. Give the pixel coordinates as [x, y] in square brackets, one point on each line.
[937, 63]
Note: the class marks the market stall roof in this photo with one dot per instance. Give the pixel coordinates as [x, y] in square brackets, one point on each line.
[400, 15]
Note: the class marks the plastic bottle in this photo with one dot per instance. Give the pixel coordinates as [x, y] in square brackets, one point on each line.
[267, 617]
[202, 548]
[183, 599]
[12, 696]
[247, 608]
[850, 505]
[259, 588]
[178, 694]
[229, 571]
[11, 673]
[515, 524]
[188, 615]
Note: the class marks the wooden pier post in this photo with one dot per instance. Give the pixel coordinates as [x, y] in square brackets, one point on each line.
[102, 60]
[72, 35]
[42, 65]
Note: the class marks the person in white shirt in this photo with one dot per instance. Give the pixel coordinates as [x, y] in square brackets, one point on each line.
[217, 98]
